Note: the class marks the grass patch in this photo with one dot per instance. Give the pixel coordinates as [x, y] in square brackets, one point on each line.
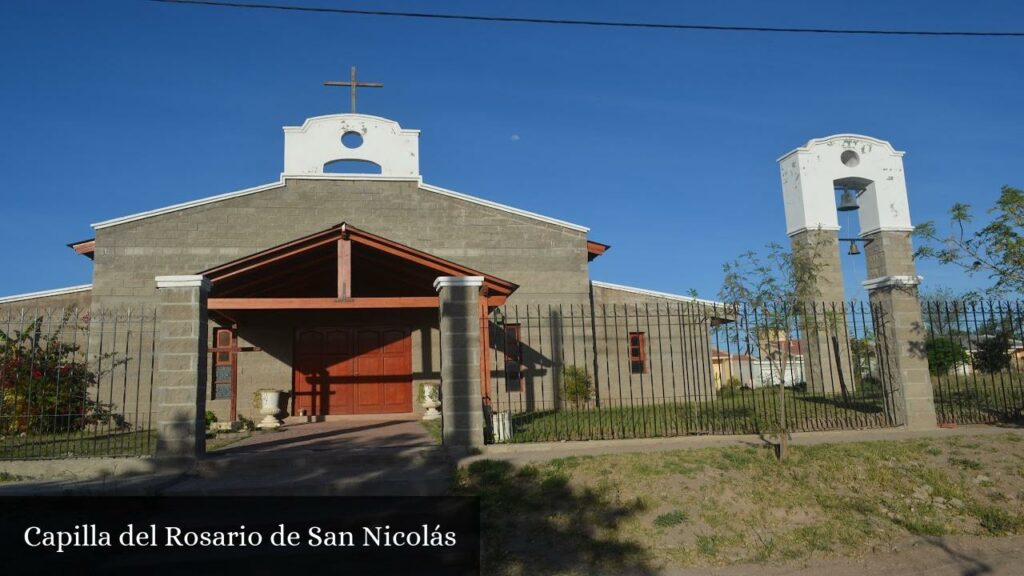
[998, 520]
[433, 427]
[965, 463]
[732, 411]
[84, 443]
[625, 513]
[670, 519]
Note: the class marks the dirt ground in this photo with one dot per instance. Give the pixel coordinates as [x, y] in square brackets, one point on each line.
[948, 556]
[870, 507]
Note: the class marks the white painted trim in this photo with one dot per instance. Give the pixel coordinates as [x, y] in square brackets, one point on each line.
[451, 281]
[654, 293]
[183, 281]
[814, 229]
[333, 176]
[46, 293]
[186, 205]
[889, 281]
[885, 229]
[346, 115]
[349, 177]
[502, 207]
[815, 141]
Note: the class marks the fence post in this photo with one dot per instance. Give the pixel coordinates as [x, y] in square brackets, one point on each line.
[900, 327]
[180, 379]
[462, 415]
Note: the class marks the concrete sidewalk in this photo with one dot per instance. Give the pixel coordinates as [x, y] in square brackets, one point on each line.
[359, 456]
[539, 451]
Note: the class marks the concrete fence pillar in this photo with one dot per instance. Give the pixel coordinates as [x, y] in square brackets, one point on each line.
[462, 413]
[827, 368]
[181, 362]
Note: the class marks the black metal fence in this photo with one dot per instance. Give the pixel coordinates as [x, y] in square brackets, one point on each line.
[75, 383]
[976, 360]
[576, 372]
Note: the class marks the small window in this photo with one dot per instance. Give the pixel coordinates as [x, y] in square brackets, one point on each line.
[513, 347]
[224, 367]
[637, 353]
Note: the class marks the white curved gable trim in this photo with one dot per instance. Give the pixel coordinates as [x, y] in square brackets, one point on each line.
[654, 293]
[281, 182]
[45, 293]
[845, 136]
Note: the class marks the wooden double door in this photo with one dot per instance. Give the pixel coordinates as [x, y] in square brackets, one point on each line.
[357, 370]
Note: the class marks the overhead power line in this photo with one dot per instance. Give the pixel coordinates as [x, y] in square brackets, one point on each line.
[602, 23]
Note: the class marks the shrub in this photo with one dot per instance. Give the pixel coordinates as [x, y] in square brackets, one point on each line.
[44, 385]
[210, 418]
[943, 355]
[245, 423]
[576, 384]
[992, 354]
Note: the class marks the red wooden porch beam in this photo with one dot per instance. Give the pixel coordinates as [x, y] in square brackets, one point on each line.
[344, 268]
[320, 303]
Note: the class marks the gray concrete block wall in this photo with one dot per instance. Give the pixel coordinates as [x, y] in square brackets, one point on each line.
[678, 351]
[678, 339]
[548, 261]
[46, 304]
[902, 331]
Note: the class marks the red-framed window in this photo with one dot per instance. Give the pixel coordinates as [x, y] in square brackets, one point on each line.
[513, 346]
[637, 353]
[224, 363]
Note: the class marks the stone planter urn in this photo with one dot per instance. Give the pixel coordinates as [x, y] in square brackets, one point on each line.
[430, 402]
[269, 402]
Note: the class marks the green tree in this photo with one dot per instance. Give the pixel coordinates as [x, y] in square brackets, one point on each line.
[992, 354]
[576, 385]
[768, 293]
[996, 249]
[943, 355]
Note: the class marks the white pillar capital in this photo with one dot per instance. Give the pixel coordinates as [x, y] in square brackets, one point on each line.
[184, 281]
[451, 281]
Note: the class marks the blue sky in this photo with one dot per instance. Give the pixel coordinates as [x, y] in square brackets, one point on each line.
[662, 142]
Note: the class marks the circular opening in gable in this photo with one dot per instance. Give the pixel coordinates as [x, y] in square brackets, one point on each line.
[351, 139]
[849, 158]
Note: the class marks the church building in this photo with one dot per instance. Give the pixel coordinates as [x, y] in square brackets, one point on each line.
[322, 284]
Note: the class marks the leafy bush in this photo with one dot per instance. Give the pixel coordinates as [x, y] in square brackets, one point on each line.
[211, 418]
[576, 384]
[943, 355]
[992, 354]
[245, 423]
[44, 384]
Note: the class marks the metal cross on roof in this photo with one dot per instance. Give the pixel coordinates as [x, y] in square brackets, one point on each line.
[354, 84]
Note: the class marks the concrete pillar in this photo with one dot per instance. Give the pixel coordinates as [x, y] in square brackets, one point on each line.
[827, 366]
[462, 414]
[900, 328]
[181, 366]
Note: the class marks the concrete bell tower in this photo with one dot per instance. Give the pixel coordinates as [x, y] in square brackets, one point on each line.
[872, 170]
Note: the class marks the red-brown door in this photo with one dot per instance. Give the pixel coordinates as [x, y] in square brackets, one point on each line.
[353, 371]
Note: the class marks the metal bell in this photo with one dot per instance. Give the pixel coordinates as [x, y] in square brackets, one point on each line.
[848, 202]
[854, 249]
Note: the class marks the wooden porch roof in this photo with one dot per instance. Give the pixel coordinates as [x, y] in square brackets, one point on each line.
[341, 267]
